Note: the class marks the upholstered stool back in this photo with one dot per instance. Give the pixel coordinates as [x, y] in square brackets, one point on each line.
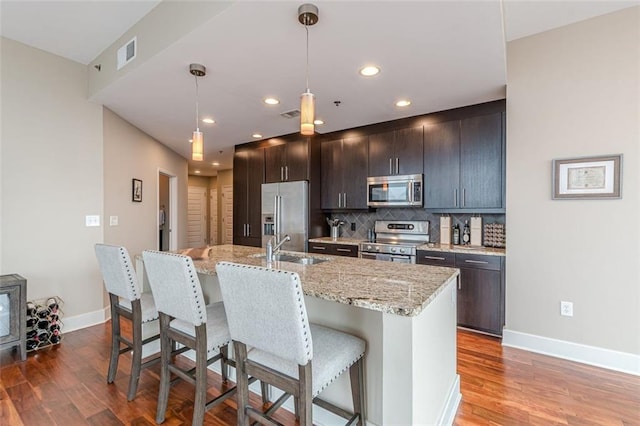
[175, 286]
[117, 272]
[275, 321]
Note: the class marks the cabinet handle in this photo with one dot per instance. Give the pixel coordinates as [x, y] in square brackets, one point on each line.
[455, 197]
[286, 173]
[390, 166]
[318, 248]
[244, 229]
[248, 229]
[344, 199]
[459, 283]
[464, 197]
[344, 250]
[397, 165]
[339, 199]
[478, 262]
[433, 257]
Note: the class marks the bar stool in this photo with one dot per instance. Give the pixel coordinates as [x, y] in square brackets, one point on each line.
[266, 311]
[185, 319]
[126, 301]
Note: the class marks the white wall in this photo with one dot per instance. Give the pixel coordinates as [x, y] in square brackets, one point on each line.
[574, 92]
[51, 177]
[130, 153]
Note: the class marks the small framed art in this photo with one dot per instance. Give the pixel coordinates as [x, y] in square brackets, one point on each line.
[136, 190]
[587, 177]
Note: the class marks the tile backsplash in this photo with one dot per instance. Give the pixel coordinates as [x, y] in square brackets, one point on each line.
[366, 220]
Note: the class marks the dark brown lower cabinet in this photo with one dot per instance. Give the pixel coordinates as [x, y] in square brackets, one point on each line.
[334, 249]
[481, 289]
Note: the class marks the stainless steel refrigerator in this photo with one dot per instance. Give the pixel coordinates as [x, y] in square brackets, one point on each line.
[285, 210]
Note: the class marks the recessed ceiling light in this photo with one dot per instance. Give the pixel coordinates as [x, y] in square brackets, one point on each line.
[271, 101]
[256, 135]
[369, 71]
[318, 122]
[208, 120]
[403, 103]
[197, 172]
[215, 163]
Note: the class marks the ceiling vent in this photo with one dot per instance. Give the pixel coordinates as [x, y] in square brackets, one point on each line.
[291, 114]
[127, 53]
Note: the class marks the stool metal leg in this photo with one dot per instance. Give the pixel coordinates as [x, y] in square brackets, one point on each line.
[115, 338]
[165, 359]
[136, 353]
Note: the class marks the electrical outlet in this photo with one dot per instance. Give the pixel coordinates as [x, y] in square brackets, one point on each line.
[353, 226]
[113, 220]
[566, 309]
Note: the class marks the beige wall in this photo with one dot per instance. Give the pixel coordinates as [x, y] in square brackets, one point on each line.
[51, 177]
[225, 177]
[573, 92]
[130, 153]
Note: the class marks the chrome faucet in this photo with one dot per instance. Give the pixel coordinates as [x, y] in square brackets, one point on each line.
[271, 250]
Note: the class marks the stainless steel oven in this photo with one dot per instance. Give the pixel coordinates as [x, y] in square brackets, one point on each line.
[394, 191]
[396, 241]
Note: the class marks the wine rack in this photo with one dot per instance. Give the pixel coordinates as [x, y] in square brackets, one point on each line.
[44, 323]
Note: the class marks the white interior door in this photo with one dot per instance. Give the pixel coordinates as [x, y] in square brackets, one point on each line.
[227, 214]
[213, 221]
[197, 217]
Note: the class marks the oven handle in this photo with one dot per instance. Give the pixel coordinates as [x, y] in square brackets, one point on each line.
[371, 256]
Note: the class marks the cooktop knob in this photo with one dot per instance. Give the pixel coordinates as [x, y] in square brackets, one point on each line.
[393, 249]
[401, 250]
[369, 247]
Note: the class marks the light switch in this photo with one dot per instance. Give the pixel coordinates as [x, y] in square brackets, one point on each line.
[92, 220]
[113, 220]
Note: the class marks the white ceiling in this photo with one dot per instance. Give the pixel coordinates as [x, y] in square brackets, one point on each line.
[439, 54]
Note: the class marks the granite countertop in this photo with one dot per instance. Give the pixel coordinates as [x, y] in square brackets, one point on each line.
[489, 251]
[340, 240]
[395, 288]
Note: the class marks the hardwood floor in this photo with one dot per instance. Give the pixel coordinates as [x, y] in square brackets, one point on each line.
[66, 385]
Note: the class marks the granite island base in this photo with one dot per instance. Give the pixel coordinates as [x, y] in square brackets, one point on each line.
[406, 314]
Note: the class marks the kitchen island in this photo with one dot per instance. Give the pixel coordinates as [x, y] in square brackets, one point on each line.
[406, 314]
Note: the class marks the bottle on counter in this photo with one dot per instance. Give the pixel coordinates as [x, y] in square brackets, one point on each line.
[456, 234]
[466, 233]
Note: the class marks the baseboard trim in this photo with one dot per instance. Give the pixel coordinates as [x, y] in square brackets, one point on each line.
[78, 322]
[606, 358]
[451, 406]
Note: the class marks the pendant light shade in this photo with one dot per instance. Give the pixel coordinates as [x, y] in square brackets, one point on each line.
[307, 113]
[197, 146]
[197, 140]
[307, 15]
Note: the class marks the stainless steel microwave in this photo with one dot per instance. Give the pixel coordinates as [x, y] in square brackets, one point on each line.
[394, 191]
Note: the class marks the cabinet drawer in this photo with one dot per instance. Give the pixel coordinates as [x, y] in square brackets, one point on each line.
[435, 258]
[478, 261]
[345, 250]
[320, 248]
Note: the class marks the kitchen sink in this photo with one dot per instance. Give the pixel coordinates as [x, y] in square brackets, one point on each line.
[302, 260]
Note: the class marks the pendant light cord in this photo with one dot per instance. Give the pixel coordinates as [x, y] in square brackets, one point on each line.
[306, 27]
[197, 114]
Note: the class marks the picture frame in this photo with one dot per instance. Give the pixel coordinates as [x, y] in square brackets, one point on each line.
[136, 190]
[587, 178]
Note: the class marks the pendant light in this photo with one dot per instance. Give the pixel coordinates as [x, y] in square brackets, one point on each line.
[197, 145]
[307, 15]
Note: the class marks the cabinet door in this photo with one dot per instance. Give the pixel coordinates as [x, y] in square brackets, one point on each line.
[435, 258]
[240, 195]
[479, 299]
[346, 250]
[255, 178]
[331, 172]
[354, 173]
[442, 165]
[408, 148]
[481, 162]
[297, 160]
[381, 154]
[321, 248]
[274, 160]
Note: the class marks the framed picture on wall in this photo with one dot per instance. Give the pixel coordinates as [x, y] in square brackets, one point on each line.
[587, 178]
[136, 190]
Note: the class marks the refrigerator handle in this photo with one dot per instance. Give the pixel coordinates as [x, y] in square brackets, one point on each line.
[276, 219]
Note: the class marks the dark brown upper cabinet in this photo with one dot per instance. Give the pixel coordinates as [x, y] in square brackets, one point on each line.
[464, 164]
[287, 162]
[344, 174]
[248, 176]
[397, 152]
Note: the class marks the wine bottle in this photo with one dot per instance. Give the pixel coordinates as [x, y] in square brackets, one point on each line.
[31, 344]
[466, 233]
[43, 324]
[31, 309]
[43, 312]
[456, 235]
[32, 321]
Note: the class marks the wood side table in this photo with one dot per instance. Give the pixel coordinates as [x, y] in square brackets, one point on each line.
[13, 313]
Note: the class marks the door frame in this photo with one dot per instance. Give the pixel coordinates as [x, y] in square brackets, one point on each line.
[173, 207]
